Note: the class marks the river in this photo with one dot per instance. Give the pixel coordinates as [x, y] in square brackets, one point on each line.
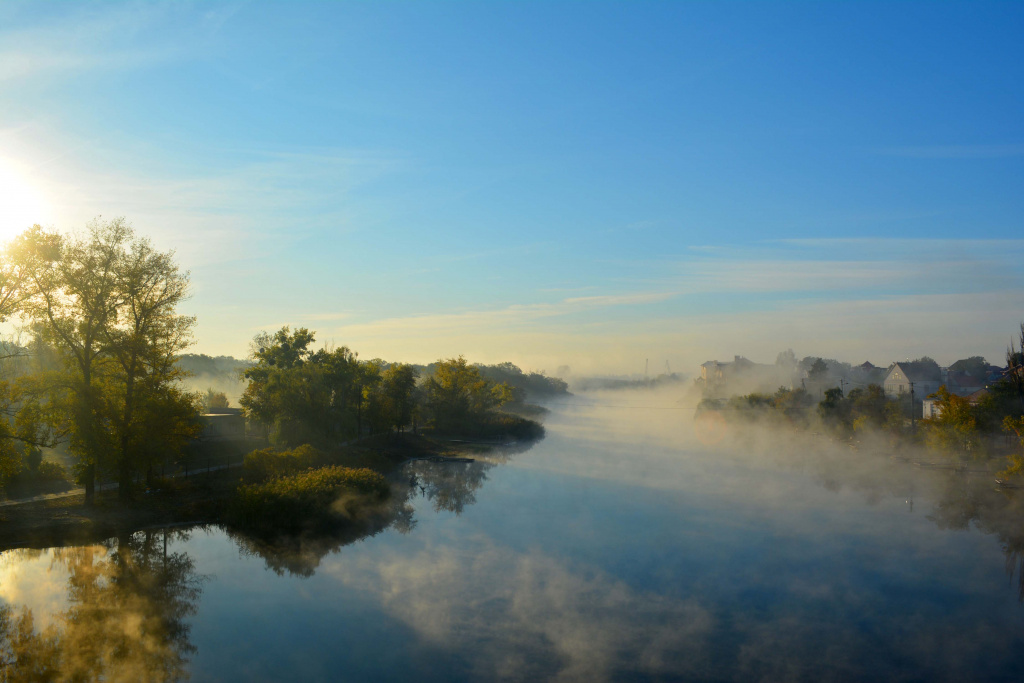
[620, 547]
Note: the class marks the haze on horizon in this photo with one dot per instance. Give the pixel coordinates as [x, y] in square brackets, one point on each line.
[582, 184]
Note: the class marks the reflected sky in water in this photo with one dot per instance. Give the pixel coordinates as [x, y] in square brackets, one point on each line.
[618, 548]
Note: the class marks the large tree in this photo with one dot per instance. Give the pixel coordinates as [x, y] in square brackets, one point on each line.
[104, 304]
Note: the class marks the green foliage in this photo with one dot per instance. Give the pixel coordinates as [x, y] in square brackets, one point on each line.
[309, 500]
[269, 463]
[955, 427]
[524, 385]
[304, 396]
[859, 411]
[785, 405]
[215, 400]
[390, 395]
[458, 396]
[1015, 466]
[51, 471]
[103, 308]
[818, 370]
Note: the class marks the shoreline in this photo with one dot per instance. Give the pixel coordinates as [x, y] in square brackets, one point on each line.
[202, 499]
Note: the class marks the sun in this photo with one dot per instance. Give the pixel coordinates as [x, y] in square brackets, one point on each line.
[21, 202]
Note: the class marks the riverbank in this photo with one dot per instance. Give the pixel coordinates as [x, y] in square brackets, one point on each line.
[199, 499]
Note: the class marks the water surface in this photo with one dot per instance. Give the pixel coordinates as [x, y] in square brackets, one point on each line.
[618, 548]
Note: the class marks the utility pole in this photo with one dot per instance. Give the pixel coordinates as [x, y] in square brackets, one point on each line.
[842, 387]
[646, 363]
[911, 406]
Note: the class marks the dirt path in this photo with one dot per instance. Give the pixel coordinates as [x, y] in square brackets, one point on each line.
[108, 486]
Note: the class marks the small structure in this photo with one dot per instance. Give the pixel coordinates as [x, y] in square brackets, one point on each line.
[227, 424]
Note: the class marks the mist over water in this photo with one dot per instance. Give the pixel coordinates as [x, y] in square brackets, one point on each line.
[620, 547]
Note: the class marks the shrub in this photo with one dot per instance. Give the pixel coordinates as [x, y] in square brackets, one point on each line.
[51, 471]
[308, 500]
[268, 463]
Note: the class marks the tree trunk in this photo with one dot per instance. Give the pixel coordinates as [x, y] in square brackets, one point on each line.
[89, 479]
[124, 480]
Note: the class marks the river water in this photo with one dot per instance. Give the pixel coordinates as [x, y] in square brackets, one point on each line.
[618, 548]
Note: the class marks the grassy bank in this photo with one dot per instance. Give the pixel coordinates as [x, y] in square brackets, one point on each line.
[231, 496]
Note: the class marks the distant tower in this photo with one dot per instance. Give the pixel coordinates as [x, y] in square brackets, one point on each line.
[646, 362]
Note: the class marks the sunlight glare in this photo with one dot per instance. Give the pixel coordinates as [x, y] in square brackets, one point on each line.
[21, 203]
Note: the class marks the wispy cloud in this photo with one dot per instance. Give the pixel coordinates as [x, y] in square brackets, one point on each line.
[94, 37]
[500, 318]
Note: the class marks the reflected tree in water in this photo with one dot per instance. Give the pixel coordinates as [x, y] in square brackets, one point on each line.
[300, 555]
[450, 487]
[126, 621]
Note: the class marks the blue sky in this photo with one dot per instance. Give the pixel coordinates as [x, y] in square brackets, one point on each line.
[581, 183]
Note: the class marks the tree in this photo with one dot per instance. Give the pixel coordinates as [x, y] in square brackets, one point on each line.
[215, 400]
[955, 426]
[1015, 367]
[396, 386]
[926, 360]
[301, 395]
[786, 359]
[72, 296]
[457, 392]
[818, 370]
[145, 337]
[103, 306]
[834, 410]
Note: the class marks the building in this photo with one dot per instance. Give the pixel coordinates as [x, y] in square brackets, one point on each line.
[227, 424]
[921, 379]
[740, 376]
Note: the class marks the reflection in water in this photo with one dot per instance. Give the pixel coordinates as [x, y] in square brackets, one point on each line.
[301, 555]
[615, 550]
[128, 601]
[449, 486]
[529, 616]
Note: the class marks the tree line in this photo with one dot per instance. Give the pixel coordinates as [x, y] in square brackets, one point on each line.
[327, 395]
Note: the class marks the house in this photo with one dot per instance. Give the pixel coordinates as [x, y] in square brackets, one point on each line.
[905, 378]
[866, 373]
[739, 376]
[962, 384]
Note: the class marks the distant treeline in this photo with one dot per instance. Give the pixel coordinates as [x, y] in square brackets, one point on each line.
[605, 383]
[220, 367]
[525, 386]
